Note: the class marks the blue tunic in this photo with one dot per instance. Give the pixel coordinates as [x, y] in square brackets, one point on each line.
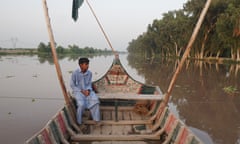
[83, 81]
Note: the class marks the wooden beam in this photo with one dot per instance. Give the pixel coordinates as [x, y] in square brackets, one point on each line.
[134, 137]
[119, 122]
[54, 53]
[120, 108]
[129, 96]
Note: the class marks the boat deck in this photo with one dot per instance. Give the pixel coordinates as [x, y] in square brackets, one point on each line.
[161, 128]
[123, 126]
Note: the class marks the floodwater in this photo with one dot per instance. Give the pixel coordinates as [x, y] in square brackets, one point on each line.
[30, 93]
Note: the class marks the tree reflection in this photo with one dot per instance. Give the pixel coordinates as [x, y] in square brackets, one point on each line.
[74, 57]
[198, 93]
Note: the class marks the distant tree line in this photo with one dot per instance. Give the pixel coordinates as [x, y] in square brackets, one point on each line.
[219, 35]
[71, 49]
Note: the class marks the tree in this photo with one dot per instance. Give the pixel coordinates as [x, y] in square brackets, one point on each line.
[218, 36]
[74, 49]
[41, 47]
[60, 49]
[229, 32]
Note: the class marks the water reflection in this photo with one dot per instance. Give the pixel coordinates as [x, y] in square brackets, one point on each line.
[198, 95]
[48, 57]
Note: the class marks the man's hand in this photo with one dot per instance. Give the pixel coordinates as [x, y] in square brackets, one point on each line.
[86, 92]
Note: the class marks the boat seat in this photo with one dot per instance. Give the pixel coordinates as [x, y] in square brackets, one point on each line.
[127, 96]
[148, 117]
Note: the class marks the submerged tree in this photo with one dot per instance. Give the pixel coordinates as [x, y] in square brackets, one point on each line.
[228, 28]
[218, 36]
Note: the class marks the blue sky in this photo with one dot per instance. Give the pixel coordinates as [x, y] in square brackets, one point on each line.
[23, 23]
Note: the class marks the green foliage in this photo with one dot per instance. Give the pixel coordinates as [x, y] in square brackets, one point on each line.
[43, 48]
[60, 49]
[72, 49]
[218, 36]
[230, 90]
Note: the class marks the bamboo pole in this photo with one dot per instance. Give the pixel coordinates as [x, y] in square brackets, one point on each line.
[101, 27]
[187, 51]
[54, 53]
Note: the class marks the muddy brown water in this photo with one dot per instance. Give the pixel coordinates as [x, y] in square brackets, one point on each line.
[30, 94]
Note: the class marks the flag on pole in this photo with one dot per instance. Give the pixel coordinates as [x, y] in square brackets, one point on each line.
[76, 4]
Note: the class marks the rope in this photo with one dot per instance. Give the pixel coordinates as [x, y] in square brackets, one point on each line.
[104, 33]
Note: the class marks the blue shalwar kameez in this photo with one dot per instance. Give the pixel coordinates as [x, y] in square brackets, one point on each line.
[83, 81]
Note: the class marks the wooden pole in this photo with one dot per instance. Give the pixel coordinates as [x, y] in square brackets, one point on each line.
[54, 53]
[105, 35]
[187, 51]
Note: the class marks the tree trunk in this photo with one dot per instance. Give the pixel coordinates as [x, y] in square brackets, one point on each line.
[176, 49]
[232, 54]
[152, 53]
[238, 54]
[218, 53]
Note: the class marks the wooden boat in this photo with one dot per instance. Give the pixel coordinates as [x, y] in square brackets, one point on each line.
[130, 110]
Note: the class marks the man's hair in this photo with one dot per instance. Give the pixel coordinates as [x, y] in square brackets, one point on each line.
[83, 60]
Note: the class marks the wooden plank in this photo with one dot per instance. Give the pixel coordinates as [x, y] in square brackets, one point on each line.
[117, 129]
[95, 129]
[80, 137]
[126, 116]
[119, 142]
[127, 96]
[126, 128]
[106, 115]
[102, 142]
[106, 129]
[107, 124]
[120, 122]
[120, 108]
[129, 142]
[134, 116]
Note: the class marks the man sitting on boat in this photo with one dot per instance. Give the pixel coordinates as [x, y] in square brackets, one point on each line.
[81, 84]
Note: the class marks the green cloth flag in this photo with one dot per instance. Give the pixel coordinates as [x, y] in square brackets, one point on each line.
[76, 4]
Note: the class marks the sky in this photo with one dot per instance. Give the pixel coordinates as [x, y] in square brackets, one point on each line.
[23, 23]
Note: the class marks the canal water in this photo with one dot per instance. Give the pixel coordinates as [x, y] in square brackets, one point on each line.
[206, 96]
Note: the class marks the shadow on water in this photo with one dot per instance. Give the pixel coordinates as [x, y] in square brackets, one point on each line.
[199, 97]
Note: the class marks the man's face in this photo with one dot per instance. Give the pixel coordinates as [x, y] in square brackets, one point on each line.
[84, 67]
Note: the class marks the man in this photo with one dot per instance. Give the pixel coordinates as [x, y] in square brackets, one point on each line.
[81, 84]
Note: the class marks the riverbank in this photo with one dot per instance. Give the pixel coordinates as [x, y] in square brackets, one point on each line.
[18, 51]
[30, 51]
